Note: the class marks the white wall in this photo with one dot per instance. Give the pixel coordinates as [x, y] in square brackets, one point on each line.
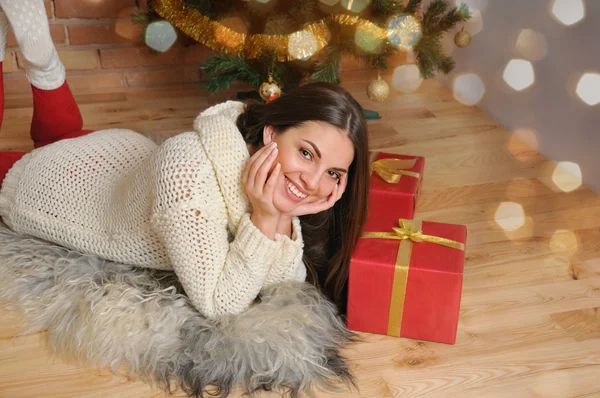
[561, 126]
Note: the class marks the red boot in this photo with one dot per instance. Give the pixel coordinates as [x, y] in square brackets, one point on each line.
[55, 115]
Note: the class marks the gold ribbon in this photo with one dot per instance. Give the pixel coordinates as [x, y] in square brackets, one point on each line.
[408, 232]
[390, 170]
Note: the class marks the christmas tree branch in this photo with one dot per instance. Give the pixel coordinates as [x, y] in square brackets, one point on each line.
[329, 69]
[437, 19]
[226, 68]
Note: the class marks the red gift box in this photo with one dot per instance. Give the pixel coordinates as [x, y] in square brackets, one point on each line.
[394, 186]
[407, 281]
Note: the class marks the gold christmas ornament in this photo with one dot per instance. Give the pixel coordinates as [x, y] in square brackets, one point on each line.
[269, 90]
[462, 38]
[378, 89]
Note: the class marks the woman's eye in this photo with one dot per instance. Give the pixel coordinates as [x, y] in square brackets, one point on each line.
[305, 153]
[335, 175]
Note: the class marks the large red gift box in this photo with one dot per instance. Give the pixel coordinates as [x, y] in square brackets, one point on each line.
[404, 283]
[394, 186]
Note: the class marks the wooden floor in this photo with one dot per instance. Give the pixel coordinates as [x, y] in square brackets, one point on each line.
[529, 321]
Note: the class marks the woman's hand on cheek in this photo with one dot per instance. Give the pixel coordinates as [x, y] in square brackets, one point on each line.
[325, 203]
[259, 186]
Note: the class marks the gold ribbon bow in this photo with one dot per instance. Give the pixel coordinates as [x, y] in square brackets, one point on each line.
[409, 231]
[390, 170]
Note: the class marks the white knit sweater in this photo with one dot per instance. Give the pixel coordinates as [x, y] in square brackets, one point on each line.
[181, 206]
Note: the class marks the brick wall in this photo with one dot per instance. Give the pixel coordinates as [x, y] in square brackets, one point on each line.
[102, 48]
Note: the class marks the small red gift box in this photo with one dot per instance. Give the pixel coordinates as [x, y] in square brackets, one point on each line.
[394, 186]
[406, 279]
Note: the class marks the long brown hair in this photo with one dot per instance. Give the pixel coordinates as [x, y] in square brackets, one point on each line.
[329, 236]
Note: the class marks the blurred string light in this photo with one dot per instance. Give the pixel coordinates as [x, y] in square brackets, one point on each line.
[404, 32]
[355, 5]
[368, 37]
[407, 78]
[588, 88]
[468, 89]
[567, 176]
[510, 216]
[302, 45]
[532, 45]
[519, 74]
[564, 241]
[160, 36]
[568, 12]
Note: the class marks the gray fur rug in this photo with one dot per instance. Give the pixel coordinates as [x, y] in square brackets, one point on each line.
[105, 314]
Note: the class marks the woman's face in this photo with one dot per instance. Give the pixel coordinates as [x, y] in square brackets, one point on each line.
[313, 157]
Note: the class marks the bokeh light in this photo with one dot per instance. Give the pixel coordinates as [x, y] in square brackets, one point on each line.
[475, 24]
[329, 2]
[588, 88]
[564, 242]
[368, 37]
[235, 23]
[567, 176]
[124, 26]
[527, 136]
[519, 74]
[407, 78]
[160, 36]
[522, 145]
[230, 32]
[404, 32]
[510, 216]
[468, 89]
[355, 5]
[568, 12]
[302, 45]
[532, 45]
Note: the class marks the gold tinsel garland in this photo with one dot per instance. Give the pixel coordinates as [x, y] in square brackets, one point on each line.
[221, 38]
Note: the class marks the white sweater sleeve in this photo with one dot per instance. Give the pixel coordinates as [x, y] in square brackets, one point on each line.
[221, 274]
[288, 263]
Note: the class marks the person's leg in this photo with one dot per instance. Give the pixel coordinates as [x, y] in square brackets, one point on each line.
[55, 112]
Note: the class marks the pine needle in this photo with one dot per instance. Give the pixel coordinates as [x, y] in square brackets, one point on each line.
[225, 69]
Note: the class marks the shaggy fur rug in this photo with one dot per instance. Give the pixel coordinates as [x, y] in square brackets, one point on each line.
[105, 314]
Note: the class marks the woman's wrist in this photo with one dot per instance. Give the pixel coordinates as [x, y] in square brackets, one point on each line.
[267, 224]
[284, 225]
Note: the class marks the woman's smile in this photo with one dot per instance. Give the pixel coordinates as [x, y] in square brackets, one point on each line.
[293, 191]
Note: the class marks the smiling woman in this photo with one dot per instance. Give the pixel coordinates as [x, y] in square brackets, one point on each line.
[318, 136]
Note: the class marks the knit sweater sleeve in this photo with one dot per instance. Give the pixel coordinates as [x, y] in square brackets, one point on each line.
[288, 263]
[221, 274]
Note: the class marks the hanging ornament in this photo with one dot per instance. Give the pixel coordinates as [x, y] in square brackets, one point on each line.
[270, 90]
[378, 89]
[462, 38]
